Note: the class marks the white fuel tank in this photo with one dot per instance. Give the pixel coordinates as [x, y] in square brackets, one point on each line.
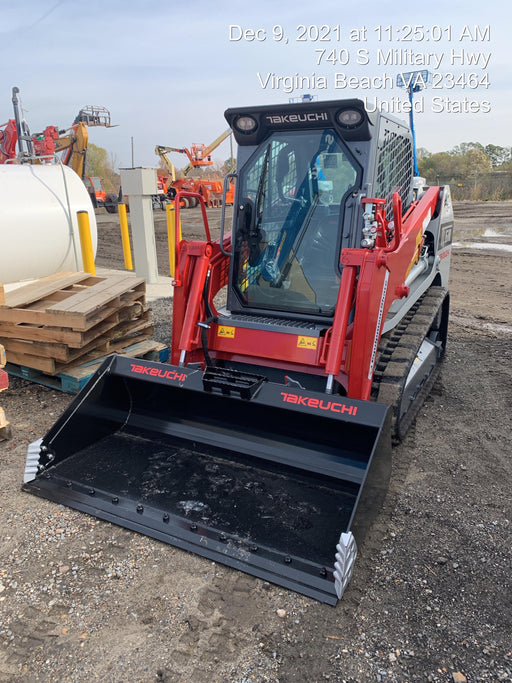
[38, 222]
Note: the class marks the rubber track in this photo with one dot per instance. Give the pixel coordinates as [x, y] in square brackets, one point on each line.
[396, 354]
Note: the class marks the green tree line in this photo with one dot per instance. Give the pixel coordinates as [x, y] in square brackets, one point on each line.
[98, 162]
[473, 170]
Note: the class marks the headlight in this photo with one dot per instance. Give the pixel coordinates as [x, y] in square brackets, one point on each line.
[349, 118]
[246, 124]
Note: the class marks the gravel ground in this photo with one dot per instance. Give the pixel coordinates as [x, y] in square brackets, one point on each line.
[430, 599]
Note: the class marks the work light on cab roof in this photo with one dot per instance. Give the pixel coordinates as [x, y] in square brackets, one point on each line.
[245, 124]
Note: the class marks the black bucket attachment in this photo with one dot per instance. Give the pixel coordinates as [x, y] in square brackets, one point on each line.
[270, 479]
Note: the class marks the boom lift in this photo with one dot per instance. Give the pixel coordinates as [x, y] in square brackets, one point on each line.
[199, 155]
[74, 141]
[266, 443]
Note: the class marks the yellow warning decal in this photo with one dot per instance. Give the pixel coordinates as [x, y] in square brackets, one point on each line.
[307, 342]
[416, 257]
[225, 331]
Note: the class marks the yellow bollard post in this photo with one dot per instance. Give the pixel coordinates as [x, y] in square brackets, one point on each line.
[84, 230]
[171, 232]
[125, 237]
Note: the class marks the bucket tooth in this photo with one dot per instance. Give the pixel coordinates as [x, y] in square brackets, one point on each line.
[32, 462]
[346, 553]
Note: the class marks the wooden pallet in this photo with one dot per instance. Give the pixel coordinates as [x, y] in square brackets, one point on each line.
[53, 358]
[73, 338]
[74, 378]
[58, 330]
[73, 300]
[69, 318]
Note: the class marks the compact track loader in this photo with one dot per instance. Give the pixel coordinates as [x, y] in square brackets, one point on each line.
[303, 344]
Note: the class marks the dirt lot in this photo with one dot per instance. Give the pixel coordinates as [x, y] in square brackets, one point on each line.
[430, 599]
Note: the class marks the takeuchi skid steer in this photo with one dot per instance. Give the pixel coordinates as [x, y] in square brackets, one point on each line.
[303, 344]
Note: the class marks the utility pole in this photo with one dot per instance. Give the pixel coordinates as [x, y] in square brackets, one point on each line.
[413, 81]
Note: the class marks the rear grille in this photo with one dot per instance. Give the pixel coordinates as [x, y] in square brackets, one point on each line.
[394, 171]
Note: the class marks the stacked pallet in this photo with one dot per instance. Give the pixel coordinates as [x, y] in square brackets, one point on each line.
[58, 325]
[5, 429]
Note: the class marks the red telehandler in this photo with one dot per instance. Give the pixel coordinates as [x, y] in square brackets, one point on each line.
[303, 345]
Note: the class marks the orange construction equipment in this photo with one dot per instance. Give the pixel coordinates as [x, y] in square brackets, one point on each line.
[42, 147]
[198, 155]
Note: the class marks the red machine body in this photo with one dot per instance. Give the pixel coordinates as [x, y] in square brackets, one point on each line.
[371, 281]
[8, 140]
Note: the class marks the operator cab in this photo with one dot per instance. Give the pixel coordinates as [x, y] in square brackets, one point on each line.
[291, 203]
[301, 169]
[302, 172]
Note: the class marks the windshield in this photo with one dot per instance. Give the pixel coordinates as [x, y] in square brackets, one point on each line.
[293, 191]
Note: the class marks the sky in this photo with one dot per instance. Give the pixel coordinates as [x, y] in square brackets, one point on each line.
[168, 71]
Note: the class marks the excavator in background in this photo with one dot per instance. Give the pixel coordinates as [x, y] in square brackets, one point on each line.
[72, 143]
[303, 345]
[199, 155]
